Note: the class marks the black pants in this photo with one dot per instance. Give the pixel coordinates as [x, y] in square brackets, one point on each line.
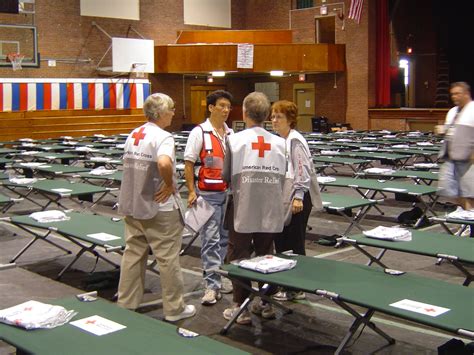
[294, 235]
[241, 246]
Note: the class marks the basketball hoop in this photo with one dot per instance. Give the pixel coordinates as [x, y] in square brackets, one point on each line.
[139, 69]
[15, 59]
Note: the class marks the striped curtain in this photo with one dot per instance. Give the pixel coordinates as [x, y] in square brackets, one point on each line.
[72, 94]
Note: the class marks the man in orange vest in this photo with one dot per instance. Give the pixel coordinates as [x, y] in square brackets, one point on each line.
[206, 145]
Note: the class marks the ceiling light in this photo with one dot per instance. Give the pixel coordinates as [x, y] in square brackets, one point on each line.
[218, 73]
[276, 73]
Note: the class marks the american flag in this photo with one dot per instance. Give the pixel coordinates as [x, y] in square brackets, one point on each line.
[355, 11]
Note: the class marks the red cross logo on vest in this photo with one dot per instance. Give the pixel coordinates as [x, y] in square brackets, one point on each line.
[138, 136]
[261, 146]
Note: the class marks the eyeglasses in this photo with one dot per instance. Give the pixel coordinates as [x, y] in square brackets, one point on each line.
[172, 109]
[278, 117]
[224, 107]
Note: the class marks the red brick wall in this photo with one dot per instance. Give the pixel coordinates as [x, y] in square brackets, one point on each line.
[266, 14]
[64, 34]
[350, 103]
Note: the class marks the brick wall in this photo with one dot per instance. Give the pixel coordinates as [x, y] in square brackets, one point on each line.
[64, 34]
[349, 102]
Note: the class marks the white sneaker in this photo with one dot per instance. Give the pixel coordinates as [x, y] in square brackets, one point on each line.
[210, 297]
[226, 285]
[189, 311]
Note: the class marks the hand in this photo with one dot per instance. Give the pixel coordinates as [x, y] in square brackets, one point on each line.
[439, 129]
[297, 206]
[164, 193]
[192, 197]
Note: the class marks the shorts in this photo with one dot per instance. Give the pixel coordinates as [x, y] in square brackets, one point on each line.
[456, 179]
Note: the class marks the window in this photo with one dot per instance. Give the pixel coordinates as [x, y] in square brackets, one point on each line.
[303, 4]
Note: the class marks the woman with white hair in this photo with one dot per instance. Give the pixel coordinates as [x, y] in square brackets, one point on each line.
[150, 202]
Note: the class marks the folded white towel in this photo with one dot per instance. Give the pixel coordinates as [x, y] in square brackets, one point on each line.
[101, 170]
[325, 179]
[33, 315]
[462, 214]
[32, 164]
[23, 181]
[425, 165]
[49, 216]
[383, 171]
[329, 152]
[85, 149]
[267, 264]
[369, 149]
[395, 234]
[100, 159]
[30, 152]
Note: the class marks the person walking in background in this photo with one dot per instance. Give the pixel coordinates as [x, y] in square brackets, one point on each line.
[150, 202]
[255, 167]
[456, 178]
[298, 201]
[207, 144]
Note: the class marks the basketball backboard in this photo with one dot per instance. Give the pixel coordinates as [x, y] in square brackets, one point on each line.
[129, 54]
[19, 39]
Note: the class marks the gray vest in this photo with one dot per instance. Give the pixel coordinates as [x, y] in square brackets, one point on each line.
[257, 176]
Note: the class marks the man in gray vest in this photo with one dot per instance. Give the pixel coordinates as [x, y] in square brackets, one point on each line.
[150, 203]
[457, 173]
[255, 166]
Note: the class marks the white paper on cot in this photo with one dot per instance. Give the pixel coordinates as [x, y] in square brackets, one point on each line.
[105, 237]
[419, 307]
[98, 325]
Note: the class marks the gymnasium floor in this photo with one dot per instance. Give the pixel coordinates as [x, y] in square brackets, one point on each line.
[315, 327]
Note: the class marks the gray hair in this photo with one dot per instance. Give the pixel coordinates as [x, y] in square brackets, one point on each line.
[156, 104]
[257, 106]
[462, 84]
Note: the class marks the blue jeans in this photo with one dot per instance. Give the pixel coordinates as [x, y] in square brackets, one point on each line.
[214, 239]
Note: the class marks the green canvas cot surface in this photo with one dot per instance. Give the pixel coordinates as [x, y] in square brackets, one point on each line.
[142, 335]
[372, 288]
[426, 243]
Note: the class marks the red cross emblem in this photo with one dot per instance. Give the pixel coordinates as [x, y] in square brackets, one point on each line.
[138, 136]
[261, 146]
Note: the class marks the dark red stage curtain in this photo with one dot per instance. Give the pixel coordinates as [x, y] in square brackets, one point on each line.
[382, 71]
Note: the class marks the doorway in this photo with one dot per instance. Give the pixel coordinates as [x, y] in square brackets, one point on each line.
[198, 101]
[325, 29]
[304, 97]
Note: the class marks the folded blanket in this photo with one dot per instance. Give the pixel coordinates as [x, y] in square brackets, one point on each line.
[462, 214]
[49, 216]
[325, 179]
[33, 315]
[101, 159]
[23, 181]
[383, 171]
[267, 264]
[101, 170]
[395, 234]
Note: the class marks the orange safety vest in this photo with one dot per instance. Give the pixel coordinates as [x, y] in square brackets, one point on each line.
[212, 162]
